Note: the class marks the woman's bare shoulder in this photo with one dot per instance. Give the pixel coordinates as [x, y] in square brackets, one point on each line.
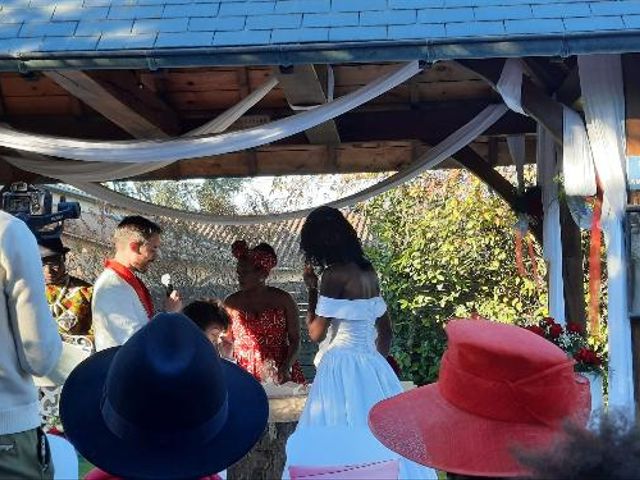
[349, 281]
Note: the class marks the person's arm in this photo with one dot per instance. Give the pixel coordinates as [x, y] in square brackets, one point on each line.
[385, 334]
[293, 336]
[316, 325]
[35, 331]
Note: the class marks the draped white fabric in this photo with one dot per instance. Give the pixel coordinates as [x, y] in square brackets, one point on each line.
[509, 85]
[577, 162]
[546, 160]
[231, 115]
[448, 147]
[602, 89]
[150, 151]
[77, 171]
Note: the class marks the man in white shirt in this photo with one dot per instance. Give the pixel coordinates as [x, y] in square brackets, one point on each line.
[121, 302]
[29, 345]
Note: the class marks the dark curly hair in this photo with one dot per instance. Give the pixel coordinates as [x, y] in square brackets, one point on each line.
[611, 451]
[327, 237]
[206, 312]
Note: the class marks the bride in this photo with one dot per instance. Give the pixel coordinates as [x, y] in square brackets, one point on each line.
[348, 317]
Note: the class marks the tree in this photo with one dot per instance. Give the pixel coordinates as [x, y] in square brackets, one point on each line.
[210, 196]
[444, 247]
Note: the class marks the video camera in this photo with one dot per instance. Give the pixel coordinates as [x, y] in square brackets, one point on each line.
[34, 206]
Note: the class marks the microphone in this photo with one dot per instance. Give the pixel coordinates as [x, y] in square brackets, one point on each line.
[166, 281]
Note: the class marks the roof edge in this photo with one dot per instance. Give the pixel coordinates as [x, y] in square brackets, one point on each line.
[561, 45]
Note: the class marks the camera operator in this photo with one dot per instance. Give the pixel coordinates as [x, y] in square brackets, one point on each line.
[30, 345]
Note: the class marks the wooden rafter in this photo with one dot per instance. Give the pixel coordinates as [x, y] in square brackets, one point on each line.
[122, 99]
[549, 113]
[569, 91]
[302, 87]
[535, 101]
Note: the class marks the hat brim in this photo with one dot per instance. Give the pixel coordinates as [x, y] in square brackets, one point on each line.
[435, 433]
[46, 252]
[80, 411]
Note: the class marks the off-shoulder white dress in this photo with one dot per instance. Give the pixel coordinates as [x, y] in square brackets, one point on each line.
[351, 378]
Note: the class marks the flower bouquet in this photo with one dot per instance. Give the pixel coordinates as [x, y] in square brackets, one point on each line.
[573, 340]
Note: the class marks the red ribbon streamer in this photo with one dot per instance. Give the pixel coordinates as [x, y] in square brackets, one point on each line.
[595, 264]
[534, 263]
[519, 262]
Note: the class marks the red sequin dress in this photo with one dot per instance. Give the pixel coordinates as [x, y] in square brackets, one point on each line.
[260, 337]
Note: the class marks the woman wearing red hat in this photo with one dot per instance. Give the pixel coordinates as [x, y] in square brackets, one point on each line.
[348, 316]
[501, 389]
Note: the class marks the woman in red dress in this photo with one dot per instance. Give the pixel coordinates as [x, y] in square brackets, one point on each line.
[265, 327]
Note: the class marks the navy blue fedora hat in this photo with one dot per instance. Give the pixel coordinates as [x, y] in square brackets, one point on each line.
[163, 405]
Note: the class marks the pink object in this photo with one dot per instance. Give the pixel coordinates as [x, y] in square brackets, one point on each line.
[387, 470]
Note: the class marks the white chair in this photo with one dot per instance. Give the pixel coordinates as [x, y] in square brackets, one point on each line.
[64, 458]
[339, 446]
[372, 471]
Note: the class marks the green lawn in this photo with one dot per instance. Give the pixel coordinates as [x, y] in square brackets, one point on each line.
[83, 467]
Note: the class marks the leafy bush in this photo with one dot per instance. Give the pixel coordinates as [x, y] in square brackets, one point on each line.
[444, 247]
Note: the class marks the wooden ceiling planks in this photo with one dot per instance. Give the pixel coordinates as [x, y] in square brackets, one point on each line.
[434, 104]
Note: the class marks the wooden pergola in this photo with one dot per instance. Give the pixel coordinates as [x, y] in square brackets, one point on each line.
[165, 90]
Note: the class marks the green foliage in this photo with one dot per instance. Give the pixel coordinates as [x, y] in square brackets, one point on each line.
[444, 247]
[211, 196]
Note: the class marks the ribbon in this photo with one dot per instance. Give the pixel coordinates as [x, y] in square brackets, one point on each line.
[128, 276]
[595, 263]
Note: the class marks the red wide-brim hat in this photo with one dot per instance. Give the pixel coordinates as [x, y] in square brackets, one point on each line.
[501, 389]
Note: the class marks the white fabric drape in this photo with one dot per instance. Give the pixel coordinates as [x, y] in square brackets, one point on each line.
[577, 161]
[602, 89]
[448, 147]
[546, 160]
[150, 151]
[509, 85]
[76, 171]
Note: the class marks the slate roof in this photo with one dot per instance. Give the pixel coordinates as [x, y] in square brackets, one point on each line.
[314, 30]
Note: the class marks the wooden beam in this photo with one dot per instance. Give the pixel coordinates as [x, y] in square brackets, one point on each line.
[630, 71]
[279, 160]
[302, 87]
[535, 101]
[572, 267]
[122, 99]
[473, 162]
[430, 124]
[296, 160]
[569, 91]
[439, 118]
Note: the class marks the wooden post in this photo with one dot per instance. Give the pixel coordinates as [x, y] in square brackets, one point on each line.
[572, 269]
[630, 71]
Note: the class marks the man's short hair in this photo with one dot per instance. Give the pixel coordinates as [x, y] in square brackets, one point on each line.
[136, 228]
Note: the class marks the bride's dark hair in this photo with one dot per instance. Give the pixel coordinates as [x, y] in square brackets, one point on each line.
[327, 237]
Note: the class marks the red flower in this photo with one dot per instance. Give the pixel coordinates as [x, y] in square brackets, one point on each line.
[588, 356]
[548, 321]
[536, 329]
[575, 327]
[555, 331]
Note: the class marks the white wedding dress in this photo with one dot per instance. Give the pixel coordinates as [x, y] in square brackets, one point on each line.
[351, 378]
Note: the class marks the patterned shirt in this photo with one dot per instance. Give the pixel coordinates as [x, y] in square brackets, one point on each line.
[70, 305]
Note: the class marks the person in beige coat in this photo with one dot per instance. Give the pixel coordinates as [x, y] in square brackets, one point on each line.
[30, 346]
